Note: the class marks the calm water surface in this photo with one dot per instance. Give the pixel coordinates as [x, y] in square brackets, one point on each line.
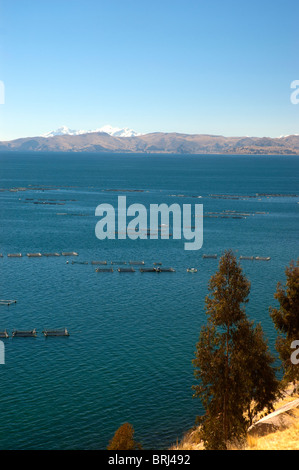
[132, 336]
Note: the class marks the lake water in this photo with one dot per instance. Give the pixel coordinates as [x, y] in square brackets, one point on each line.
[132, 335]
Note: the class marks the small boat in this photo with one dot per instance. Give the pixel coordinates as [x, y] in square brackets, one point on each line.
[191, 270]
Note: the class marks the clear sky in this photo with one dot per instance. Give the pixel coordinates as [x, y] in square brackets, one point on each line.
[192, 66]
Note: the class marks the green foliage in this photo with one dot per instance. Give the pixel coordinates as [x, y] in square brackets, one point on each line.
[123, 439]
[254, 372]
[286, 319]
[232, 360]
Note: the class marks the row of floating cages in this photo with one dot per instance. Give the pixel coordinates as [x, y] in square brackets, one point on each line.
[258, 258]
[39, 255]
[132, 270]
[156, 266]
[118, 263]
[136, 263]
[157, 270]
[33, 333]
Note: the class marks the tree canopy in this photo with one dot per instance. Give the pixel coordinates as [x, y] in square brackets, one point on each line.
[232, 360]
[286, 320]
[123, 439]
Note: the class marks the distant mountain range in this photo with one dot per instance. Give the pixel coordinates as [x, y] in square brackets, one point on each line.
[115, 131]
[109, 139]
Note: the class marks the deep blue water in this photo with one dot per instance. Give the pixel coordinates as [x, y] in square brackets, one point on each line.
[132, 336]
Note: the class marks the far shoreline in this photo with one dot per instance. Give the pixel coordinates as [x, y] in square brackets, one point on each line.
[156, 143]
[140, 154]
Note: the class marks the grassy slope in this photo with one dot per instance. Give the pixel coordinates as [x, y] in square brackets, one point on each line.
[287, 439]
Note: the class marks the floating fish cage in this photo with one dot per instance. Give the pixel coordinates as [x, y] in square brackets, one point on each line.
[126, 270]
[157, 270]
[4, 334]
[119, 263]
[23, 334]
[261, 258]
[104, 270]
[52, 333]
[79, 262]
[210, 256]
[165, 270]
[7, 302]
[69, 253]
[247, 257]
[14, 255]
[99, 262]
[51, 254]
[34, 255]
[136, 263]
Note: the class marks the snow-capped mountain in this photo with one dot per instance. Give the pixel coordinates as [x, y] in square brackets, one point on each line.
[64, 130]
[289, 135]
[117, 132]
[114, 131]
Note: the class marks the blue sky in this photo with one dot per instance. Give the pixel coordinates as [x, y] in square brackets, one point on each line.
[192, 66]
